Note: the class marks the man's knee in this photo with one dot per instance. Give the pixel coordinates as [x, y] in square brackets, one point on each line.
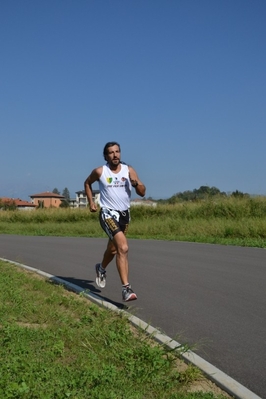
[121, 244]
[123, 249]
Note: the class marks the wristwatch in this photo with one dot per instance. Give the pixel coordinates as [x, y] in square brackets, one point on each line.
[135, 185]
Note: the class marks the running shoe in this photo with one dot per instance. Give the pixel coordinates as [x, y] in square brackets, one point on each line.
[100, 276]
[128, 294]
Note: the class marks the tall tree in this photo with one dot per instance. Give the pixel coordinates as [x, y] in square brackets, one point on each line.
[66, 193]
[55, 191]
[66, 200]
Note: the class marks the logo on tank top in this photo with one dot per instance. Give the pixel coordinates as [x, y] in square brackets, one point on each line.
[115, 182]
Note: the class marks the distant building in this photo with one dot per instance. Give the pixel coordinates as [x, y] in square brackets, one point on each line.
[24, 205]
[47, 199]
[143, 202]
[20, 204]
[81, 200]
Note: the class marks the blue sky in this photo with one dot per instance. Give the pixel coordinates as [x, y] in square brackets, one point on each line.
[180, 84]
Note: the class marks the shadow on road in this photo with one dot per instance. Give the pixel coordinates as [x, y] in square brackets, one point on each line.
[89, 287]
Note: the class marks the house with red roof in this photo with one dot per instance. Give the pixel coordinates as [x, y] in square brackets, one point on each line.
[20, 204]
[47, 199]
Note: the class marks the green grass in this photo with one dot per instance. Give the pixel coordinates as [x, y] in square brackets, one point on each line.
[55, 344]
[234, 221]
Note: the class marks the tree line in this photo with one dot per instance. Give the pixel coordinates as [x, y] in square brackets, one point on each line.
[201, 193]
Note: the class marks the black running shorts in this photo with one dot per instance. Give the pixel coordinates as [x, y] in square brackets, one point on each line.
[114, 221]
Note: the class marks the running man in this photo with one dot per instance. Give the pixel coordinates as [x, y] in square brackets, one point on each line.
[116, 180]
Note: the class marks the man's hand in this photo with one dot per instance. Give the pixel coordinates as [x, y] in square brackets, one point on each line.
[136, 183]
[133, 177]
[93, 207]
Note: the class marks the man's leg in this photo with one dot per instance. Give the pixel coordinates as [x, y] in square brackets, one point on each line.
[109, 254]
[118, 247]
[121, 245]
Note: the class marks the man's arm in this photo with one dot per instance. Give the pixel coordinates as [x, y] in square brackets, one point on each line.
[92, 178]
[136, 183]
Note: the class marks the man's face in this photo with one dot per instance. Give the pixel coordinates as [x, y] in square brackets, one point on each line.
[113, 155]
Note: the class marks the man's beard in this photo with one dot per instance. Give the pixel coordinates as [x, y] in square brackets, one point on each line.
[115, 162]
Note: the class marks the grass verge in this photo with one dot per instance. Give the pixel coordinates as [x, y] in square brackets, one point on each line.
[56, 344]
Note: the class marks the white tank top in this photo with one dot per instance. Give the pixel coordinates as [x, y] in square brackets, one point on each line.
[115, 188]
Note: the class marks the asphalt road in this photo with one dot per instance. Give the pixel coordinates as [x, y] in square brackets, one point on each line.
[211, 296]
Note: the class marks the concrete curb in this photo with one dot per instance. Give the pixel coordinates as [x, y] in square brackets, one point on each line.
[221, 379]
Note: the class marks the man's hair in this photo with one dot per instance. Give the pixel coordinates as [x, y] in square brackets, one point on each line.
[109, 144]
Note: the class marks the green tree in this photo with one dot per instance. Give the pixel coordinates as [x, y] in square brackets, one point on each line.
[197, 194]
[239, 194]
[66, 194]
[56, 191]
[64, 204]
[66, 200]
